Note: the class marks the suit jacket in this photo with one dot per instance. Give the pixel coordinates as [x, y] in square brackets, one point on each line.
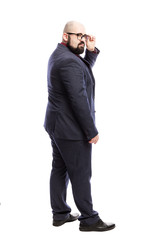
[70, 112]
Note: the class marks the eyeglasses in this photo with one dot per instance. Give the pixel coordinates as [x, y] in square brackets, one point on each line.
[79, 35]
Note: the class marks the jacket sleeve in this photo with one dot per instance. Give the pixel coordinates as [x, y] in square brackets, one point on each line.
[91, 56]
[72, 77]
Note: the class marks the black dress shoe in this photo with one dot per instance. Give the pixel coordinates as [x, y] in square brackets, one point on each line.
[71, 218]
[100, 226]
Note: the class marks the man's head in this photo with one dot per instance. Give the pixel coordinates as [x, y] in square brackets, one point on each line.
[74, 35]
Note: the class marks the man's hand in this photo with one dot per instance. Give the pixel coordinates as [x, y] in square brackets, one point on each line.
[90, 43]
[94, 140]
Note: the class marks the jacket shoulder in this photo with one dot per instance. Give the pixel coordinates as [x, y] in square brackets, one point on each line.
[63, 54]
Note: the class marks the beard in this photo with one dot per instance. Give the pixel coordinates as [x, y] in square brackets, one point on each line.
[78, 50]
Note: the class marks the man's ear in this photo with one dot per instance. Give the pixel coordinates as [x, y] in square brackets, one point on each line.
[65, 37]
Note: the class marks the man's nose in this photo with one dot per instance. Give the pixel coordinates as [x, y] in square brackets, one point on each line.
[83, 42]
[83, 38]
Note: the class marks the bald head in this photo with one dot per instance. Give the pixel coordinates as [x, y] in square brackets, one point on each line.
[74, 27]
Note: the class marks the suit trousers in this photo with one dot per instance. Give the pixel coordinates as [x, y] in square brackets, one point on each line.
[71, 161]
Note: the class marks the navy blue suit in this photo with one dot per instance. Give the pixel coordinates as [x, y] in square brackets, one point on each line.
[70, 123]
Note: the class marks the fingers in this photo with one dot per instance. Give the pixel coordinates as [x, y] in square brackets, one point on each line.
[90, 43]
[94, 140]
[91, 38]
[91, 141]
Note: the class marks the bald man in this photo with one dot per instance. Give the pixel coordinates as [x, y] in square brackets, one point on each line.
[70, 123]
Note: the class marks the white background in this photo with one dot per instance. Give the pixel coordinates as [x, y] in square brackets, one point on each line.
[125, 183]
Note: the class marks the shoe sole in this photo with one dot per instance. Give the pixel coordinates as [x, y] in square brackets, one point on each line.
[60, 224]
[94, 230]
